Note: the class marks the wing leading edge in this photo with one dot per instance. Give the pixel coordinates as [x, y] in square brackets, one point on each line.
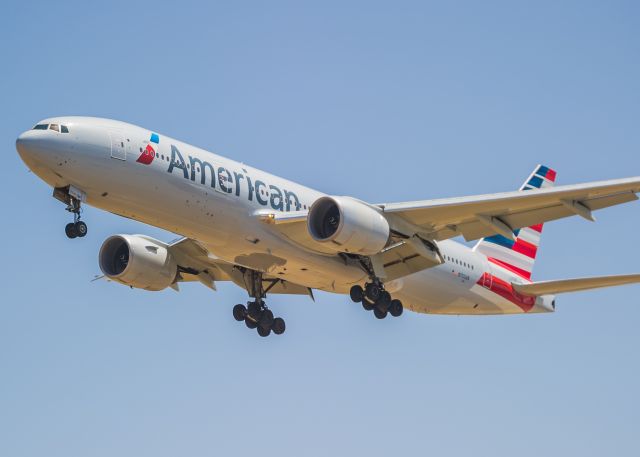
[479, 216]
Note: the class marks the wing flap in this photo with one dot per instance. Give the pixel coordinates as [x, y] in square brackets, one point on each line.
[407, 257]
[198, 264]
[574, 285]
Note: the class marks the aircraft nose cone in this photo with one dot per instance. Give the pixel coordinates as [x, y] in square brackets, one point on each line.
[24, 144]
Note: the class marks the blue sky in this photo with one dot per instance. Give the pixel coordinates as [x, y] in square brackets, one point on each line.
[383, 101]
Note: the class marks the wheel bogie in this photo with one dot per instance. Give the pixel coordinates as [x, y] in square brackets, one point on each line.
[257, 316]
[382, 305]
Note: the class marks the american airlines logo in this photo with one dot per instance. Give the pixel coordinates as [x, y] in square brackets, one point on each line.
[233, 182]
[148, 154]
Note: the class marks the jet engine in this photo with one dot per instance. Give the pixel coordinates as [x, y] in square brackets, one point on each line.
[138, 261]
[348, 225]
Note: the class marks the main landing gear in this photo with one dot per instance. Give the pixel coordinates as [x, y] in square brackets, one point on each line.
[256, 315]
[77, 228]
[374, 298]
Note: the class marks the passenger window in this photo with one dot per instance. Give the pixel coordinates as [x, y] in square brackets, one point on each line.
[54, 127]
[41, 127]
[64, 129]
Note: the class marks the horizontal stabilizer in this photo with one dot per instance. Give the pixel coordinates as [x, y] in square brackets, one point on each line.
[574, 285]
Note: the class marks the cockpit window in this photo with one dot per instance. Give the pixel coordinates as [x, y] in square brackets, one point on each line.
[41, 127]
[64, 129]
[54, 127]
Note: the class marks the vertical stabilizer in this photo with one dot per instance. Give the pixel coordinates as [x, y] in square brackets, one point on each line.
[519, 255]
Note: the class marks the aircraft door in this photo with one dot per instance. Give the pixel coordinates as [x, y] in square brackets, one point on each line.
[118, 146]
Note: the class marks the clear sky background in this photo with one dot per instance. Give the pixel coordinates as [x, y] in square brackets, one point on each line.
[383, 101]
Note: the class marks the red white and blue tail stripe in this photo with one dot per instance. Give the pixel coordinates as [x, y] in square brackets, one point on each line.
[518, 256]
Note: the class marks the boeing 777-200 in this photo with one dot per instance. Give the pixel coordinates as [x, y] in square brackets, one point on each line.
[272, 236]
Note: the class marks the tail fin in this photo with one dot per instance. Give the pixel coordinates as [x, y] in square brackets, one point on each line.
[519, 256]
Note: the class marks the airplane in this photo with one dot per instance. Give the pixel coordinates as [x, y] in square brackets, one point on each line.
[273, 236]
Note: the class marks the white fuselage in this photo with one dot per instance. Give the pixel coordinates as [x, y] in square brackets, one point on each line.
[215, 200]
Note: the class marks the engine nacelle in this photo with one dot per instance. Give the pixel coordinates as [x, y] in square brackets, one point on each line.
[138, 261]
[348, 225]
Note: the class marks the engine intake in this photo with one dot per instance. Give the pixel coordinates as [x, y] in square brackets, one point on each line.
[349, 225]
[138, 261]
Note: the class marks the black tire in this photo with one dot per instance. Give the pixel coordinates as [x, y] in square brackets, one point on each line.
[266, 319]
[384, 301]
[379, 314]
[253, 310]
[263, 331]
[70, 230]
[372, 292]
[278, 326]
[81, 229]
[239, 312]
[396, 308]
[367, 305]
[356, 293]
[249, 323]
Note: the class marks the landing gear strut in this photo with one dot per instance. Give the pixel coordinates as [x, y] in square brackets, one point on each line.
[375, 298]
[256, 315]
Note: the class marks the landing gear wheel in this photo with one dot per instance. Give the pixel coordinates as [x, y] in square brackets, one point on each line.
[278, 326]
[367, 305]
[70, 230]
[373, 291]
[396, 308]
[254, 310]
[239, 312]
[379, 314]
[356, 293]
[384, 301]
[81, 229]
[266, 319]
[263, 331]
[249, 323]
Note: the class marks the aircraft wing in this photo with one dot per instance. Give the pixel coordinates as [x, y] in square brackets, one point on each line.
[574, 285]
[485, 215]
[196, 263]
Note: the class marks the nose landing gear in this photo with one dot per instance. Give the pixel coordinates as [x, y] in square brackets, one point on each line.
[77, 228]
[374, 298]
[73, 198]
[256, 315]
